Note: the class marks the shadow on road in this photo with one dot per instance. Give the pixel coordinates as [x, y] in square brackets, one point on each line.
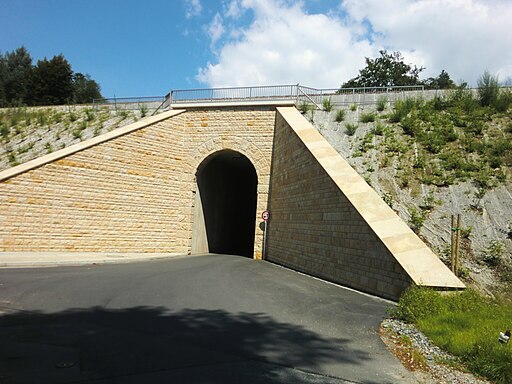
[154, 344]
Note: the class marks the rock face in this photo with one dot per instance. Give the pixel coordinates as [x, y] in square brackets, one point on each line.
[486, 215]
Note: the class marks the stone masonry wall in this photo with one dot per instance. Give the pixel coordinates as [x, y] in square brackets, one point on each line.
[316, 230]
[133, 193]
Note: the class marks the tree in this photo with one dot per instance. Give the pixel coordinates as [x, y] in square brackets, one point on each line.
[52, 82]
[15, 74]
[85, 90]
[385, 71]
[442, 81]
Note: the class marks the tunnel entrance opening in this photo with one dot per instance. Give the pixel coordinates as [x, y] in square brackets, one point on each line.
[227, 194]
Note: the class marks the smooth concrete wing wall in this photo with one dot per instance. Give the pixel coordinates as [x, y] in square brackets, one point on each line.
[326, 221]
[133, 189]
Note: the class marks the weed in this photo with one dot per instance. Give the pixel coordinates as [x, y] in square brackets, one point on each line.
[466, 232]
[417, 219]
[90, 115]
[353, 107]
[305, 107]
[378, 129]
[488, 89]
[4, 130]
[12, 158]
[388, 199]
[143, 110]
[340, 115]
[48, 147]
[367, 117]
[493, 255]
[327, 104]
[77, 133]
[73, 116]
[382, 101]
[351, 128]
[57, 117]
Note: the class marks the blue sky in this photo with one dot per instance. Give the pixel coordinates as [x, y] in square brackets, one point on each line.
[135, 48]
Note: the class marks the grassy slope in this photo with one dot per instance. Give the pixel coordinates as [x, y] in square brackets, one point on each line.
[27, 133]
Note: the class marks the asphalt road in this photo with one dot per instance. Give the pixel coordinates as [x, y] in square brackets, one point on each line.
[202, 319]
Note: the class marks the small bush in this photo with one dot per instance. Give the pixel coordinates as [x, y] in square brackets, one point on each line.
[351, 128]
[417, 219]
[353, 107]
[367, 117]
[382, 101]
[488, 89]
[340, 115]
[305, 107]
[90, 115]
[494, 253]
[327, 105]
[143, 110]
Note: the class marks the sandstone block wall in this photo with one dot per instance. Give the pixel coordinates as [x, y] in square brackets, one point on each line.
[134, 192]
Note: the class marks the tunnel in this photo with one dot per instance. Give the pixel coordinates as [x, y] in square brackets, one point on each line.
[227, 186]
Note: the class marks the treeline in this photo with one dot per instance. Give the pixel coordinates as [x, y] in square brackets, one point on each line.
[49, 82]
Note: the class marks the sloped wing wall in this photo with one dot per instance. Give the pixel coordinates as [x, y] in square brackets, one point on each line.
[327, 222]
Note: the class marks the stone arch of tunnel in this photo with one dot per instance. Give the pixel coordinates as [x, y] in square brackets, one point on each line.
[225, 205]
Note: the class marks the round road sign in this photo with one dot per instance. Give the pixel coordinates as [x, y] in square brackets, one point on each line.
[265, 215]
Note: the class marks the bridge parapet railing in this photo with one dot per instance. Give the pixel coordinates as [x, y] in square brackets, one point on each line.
[152, 103]
[232, 94]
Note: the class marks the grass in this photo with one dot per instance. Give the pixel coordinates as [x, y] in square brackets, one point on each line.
[351, 128]
[340, 115]
[327, 105]
[367, 117]
[464, 324]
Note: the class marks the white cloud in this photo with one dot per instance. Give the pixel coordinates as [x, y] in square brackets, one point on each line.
[464, 37]
[215, 30]
[192, 8]
[285, 44]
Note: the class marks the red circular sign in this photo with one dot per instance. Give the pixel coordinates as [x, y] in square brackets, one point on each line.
[265, 215]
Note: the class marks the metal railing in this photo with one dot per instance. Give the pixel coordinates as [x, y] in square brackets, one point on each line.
[130, 103]
[294, 92]
[297, 93]
[233, 94]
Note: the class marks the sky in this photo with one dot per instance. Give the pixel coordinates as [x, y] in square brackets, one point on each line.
[145, 48]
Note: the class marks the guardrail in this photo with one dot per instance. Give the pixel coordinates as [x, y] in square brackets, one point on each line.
[298, 93]
[130, 103]
[295, 92]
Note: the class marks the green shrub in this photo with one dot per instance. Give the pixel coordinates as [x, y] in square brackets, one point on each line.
[504, 100]
[382, 101]
[353, 107]
[367, 117]
[340, 115]
[327, 105]
[143, 110]
[403, 107]
[90, 115]
[351, 128]
[4, 130]
[305, 107]
[493, 255]
[378, 129]
[488, 89]
[417, 219]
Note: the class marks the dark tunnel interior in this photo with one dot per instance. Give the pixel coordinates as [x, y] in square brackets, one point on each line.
[227, 184]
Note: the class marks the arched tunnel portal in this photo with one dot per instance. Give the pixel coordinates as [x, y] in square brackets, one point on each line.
[225, 212]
